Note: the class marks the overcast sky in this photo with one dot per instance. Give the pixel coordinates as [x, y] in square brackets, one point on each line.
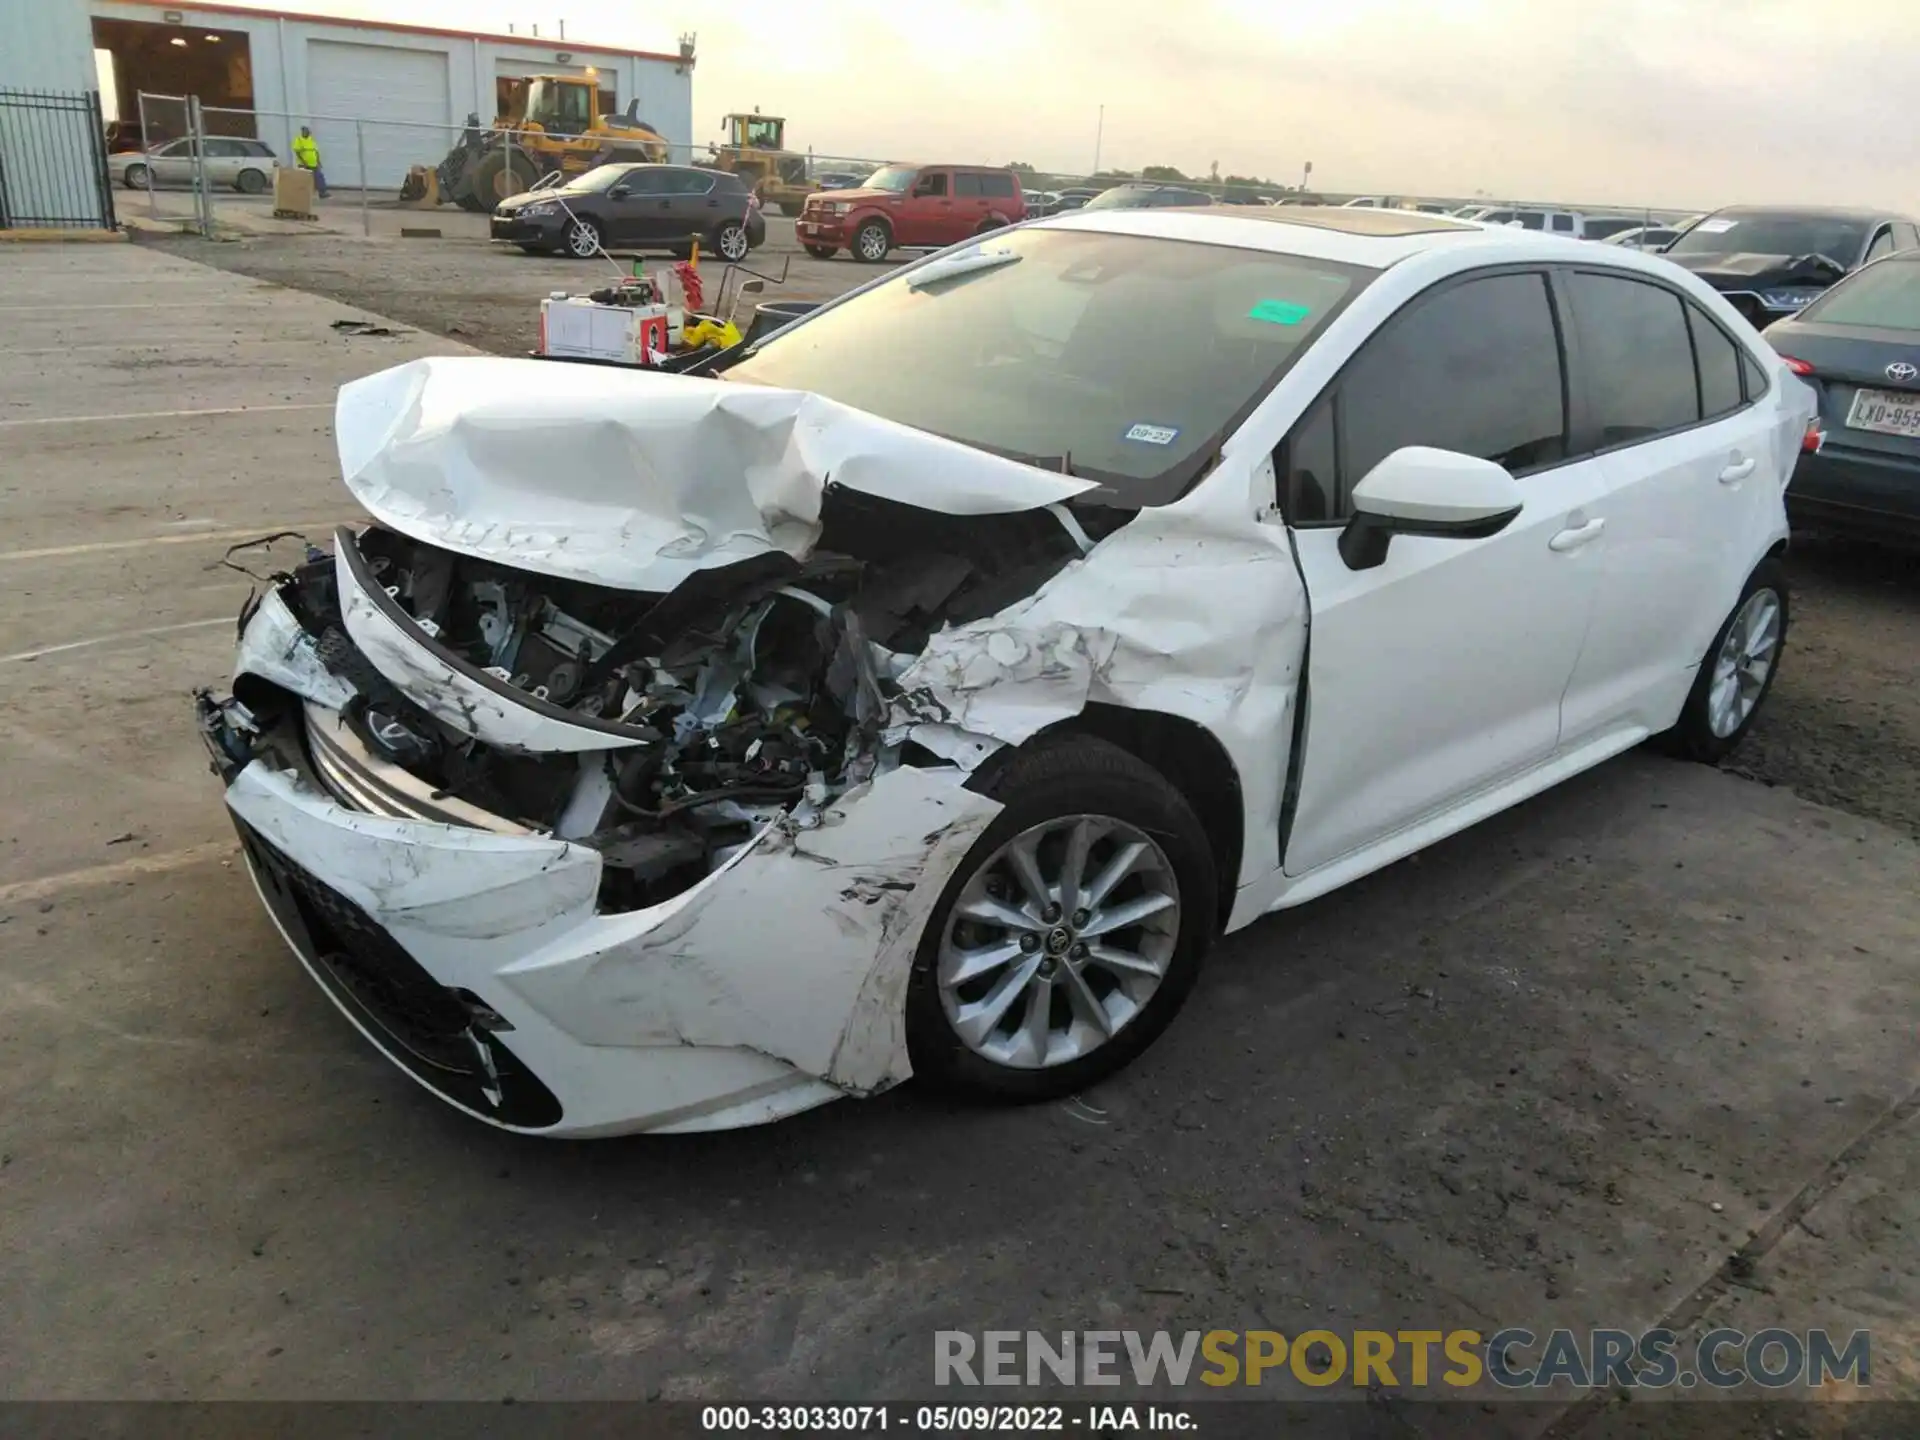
[1663, 102]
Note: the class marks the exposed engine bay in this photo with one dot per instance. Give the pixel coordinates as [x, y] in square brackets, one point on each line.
[750, 690]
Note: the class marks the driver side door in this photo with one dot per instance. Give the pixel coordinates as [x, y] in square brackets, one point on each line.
[639, 209]
[1438, 674]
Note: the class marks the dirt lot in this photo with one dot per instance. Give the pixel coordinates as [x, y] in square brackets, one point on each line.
[1843, 725]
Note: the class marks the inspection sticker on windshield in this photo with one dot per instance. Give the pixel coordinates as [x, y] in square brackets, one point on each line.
[1715, 227]
[1154, 434]
[1279, 312]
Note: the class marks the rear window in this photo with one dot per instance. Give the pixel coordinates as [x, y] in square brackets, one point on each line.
[1124, 359]
[1885, 296]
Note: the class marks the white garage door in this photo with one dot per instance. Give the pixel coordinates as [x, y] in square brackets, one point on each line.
[381, 85]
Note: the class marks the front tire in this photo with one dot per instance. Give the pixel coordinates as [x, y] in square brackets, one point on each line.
[872, 241]
[731, 243]
[582, 240]
[1071, 933]
[1738, 672]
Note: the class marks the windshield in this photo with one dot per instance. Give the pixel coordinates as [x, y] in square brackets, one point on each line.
[1124, 359]
[601, 177]
[1884, 296]
[1838, 238]
[1140, 197]
[898, 178]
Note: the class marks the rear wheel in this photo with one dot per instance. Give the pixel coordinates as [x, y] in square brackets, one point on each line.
[250, 182]
[1071, 934]
[822, 252]
[135, 177]
[872, 241]
[1737, 673]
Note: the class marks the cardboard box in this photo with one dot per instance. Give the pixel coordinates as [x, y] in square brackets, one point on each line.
[293, 190]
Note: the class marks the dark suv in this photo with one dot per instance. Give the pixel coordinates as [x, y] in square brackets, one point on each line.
[635, 207]
[911, 205]
[1771, 263]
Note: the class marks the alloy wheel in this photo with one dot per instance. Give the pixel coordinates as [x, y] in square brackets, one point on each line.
[1745, 661]
[583, 240]
[733, 243]
[1058, 941]
[873, 243]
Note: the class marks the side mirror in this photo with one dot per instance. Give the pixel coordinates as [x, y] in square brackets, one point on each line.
[1418, 490]
[619, 192]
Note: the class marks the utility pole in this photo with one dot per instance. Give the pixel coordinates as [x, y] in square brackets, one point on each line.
[1099, 132]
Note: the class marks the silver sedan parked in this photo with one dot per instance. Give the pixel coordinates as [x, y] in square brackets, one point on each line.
[232, 162]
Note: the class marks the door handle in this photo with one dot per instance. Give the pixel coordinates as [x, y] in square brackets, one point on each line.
[1738, 471]
[1574, 536]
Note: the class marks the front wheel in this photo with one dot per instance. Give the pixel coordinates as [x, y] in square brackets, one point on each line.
[582, 238]
[1737, 673]
[872, 241]
[730, 240]
[822, 252]
[1071, 933]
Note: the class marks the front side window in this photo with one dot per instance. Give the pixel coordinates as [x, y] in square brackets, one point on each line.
[1124, 359]
[1636, 355]
[640, 179]
[931, 185]
[1474, 369]
[687, 182]
[1563, 223]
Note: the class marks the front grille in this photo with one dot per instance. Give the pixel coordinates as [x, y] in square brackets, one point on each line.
[430, 1028]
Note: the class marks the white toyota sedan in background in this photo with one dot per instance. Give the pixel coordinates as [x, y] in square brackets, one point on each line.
[923, 690]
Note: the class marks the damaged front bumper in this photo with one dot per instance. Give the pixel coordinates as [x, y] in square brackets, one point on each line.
[490, 958]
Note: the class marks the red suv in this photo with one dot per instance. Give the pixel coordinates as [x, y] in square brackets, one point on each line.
[911, 205]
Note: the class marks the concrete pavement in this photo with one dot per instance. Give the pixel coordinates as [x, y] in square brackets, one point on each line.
[1552, 1072]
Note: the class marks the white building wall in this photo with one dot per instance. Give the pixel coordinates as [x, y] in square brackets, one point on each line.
[284, 97]
[45, 156]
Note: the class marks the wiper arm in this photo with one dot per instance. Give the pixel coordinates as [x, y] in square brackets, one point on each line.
[965, 264]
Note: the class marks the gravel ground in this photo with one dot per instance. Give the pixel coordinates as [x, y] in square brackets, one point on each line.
[1842, 726]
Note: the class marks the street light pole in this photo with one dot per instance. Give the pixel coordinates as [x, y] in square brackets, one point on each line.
[1099, 132]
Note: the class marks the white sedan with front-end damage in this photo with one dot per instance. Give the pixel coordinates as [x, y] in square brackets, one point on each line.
[923, 690]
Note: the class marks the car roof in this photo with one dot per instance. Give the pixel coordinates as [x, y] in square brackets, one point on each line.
[1813, 212]
[1375, 239]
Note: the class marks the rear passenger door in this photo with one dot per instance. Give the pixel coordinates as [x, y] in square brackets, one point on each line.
[969, 201]
[693, 204]
[1668, 406]
[1438, 674]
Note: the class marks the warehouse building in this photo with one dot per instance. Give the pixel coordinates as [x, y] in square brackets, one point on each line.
[52, 164]
[328, 72]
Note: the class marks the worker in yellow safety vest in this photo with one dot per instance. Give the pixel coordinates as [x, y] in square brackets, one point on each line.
[306, 154]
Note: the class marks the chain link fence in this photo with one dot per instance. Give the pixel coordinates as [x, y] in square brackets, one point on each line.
[197, 155]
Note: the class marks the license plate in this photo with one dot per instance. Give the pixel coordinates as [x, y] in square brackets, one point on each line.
[1886, 412]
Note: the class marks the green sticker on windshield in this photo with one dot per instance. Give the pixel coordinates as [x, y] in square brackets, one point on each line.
[1279, 312]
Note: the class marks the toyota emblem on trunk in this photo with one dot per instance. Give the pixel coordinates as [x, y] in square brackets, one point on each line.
[1903, 372]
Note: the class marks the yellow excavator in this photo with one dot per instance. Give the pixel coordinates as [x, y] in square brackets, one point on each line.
[756, 151]
[551, 122]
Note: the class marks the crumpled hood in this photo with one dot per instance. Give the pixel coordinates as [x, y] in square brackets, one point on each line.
[1753, 271]
[635, 479]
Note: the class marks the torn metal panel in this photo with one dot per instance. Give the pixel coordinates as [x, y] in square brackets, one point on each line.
[1195, 610]
[799, 948]
[635, 480]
